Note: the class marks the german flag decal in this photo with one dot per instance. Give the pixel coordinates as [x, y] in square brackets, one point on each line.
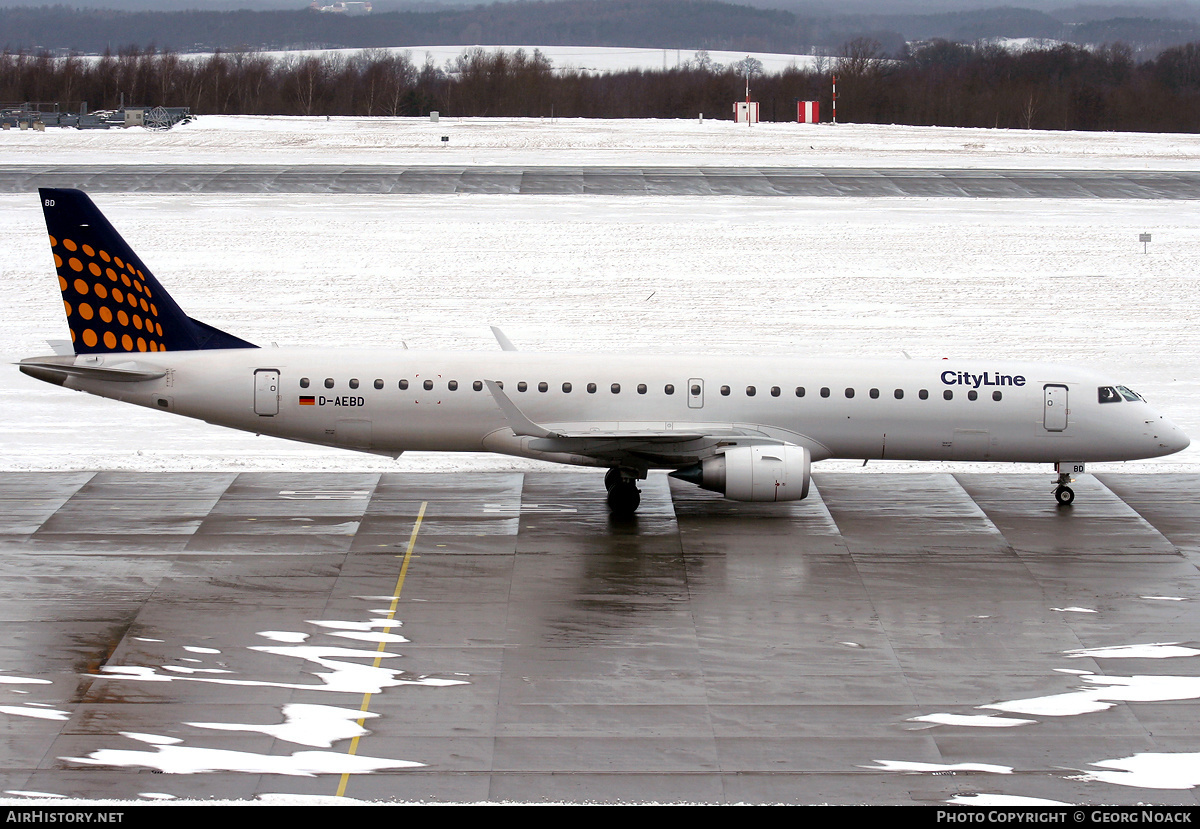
[307, 401]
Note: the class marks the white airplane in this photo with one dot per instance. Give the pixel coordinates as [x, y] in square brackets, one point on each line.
[746, 427]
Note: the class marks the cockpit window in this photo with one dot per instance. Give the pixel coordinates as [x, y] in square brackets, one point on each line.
[1109, 395]
[1130, 395]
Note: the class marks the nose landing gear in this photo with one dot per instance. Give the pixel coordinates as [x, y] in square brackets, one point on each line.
[623, 494]
[1062, 492]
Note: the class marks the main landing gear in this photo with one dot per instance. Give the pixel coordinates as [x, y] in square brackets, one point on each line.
[623, 494]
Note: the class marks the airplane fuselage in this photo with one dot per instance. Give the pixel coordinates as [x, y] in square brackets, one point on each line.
[966, 410]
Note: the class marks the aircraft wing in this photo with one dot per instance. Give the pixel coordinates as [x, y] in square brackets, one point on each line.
[616, 443]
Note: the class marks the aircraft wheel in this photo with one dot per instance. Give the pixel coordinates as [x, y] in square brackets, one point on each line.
[611, 478]
[624, 499]
[1064, 495]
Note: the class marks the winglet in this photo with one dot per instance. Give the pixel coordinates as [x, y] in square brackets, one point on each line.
[505, 342]
[517, 421]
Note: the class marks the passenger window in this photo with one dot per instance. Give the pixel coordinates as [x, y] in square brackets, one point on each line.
[403, 384]
[849, 393]
[379, 384]
[825, 391]
[566, 388]
[898, 394]
[522, 386]
[947, 395]
[353, 383]
[477, 385]
[972, 395]
[997, 395]
[616, 388]
[329, 382]
[452, 385]
[304, 382]
[428, 384]
[668, 389]
[874, 394]
[695, 391]
[775, 391]
[641, 388]
[1109, 395]
[591, 388]
[750, 391]
[543, 387]
[725, 390]
[923, 394]
[799, 391]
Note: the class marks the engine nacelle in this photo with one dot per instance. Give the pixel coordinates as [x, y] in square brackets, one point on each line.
[755, 473]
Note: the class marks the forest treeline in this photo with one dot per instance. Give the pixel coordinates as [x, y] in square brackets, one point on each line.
[940, 83]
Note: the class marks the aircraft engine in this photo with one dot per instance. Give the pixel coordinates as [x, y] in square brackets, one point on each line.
[754, 473]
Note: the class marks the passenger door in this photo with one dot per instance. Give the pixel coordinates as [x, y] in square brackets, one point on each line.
[1054, 408]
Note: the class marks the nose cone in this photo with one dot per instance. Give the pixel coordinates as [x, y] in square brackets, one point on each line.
[1169, 437]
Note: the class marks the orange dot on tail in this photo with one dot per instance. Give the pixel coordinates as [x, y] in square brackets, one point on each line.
[57, 261]
[126, 342]
[53, 241]
[89, 250]
[81, 287]
[86, 311]
[75, 264]
[105, 314]
[69, 245]
[62, 284]
[122, 318]
[89, 337]
[67, 305]
[111, 274]
[110, 339]
[141, 344]
[100, 290]
[118, 262]
[104, 255]
[94, 268]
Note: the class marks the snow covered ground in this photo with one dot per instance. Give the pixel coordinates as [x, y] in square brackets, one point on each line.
[582, 58]
[215, 139]
[1053, 279]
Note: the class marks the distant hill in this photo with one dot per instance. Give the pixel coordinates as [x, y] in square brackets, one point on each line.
[657, 24]
[684, 24]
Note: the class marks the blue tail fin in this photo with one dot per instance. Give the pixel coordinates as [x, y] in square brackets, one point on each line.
[113, 302]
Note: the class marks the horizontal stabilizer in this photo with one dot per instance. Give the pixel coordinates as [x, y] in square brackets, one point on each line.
[55, 371]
